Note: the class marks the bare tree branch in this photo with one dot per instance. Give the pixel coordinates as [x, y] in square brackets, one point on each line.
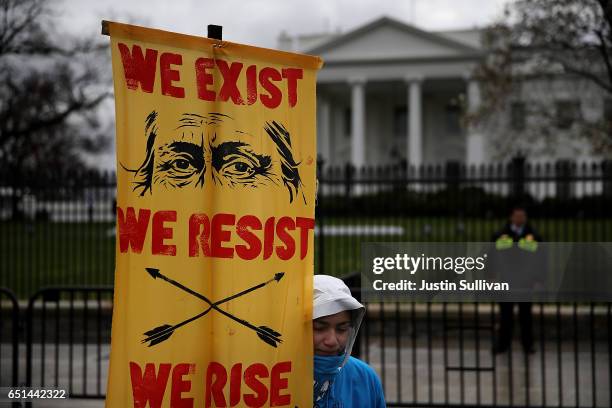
[45, 106]
[566, 44]
[605, 54]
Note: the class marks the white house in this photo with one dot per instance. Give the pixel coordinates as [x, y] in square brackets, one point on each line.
[390, 92]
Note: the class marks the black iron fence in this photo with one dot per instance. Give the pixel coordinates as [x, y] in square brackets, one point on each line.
[61, 231]
[442, 355]
[438, 354]
[57, 232]
[68, 340]
[452, 202]
[9, 339]
[560, 189]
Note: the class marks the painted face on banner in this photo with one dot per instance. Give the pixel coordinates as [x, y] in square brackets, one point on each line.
[214, 151]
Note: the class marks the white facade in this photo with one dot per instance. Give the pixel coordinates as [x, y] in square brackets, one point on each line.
[390, 93]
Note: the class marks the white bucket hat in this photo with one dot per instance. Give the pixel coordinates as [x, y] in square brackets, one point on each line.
[331, 296]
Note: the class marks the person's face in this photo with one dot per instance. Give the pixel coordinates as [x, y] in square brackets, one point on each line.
[518, 218]
[331, 333]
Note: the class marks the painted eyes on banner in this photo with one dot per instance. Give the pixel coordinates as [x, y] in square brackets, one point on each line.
[180, 164]
[236, 163]
[238, 168]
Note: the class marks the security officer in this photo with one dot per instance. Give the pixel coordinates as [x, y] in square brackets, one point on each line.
[516, 232]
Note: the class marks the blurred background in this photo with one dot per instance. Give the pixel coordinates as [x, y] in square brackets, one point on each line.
[434, 119]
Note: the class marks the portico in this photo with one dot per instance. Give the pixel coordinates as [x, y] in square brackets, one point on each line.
[390, 93]
[412, 120]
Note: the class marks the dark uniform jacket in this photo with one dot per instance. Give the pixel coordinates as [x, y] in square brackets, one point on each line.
[521, 268]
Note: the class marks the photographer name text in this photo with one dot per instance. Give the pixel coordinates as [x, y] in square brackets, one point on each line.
[445, 285]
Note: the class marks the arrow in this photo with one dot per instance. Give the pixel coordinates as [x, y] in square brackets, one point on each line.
[155, 273]
[163, 332]
[277, 277]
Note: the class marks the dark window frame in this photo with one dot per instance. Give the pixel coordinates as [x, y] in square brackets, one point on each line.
[452, 117]
[518, 116]
[567, 112]
[400, 121]
[347, 122]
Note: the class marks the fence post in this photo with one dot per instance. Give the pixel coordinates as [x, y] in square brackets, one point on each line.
[29, 338]
[606, 175]
[517, 177]
[14, 337]
[452, 175]
[564, 174]
[349, 173]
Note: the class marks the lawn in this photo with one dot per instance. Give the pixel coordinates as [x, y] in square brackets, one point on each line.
[33, 255]
[342, 253]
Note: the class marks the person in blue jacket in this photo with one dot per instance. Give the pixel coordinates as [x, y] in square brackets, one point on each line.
[340, 381]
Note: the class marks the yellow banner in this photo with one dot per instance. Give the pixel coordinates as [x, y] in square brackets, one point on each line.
[216, 165]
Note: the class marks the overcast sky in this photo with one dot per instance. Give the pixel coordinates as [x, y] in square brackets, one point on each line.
[259, 22]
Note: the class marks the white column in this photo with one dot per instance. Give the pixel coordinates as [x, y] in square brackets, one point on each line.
[324, 138]
[474, 149]
[415, 117]
[358, 122]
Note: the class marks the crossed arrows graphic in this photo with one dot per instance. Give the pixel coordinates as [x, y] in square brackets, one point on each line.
[163, 332]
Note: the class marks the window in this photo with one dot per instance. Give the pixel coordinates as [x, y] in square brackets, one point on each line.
[453, 116]
[347, 122]
[517, 116]
[567, 113]
[400, 122]
[607, 110]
